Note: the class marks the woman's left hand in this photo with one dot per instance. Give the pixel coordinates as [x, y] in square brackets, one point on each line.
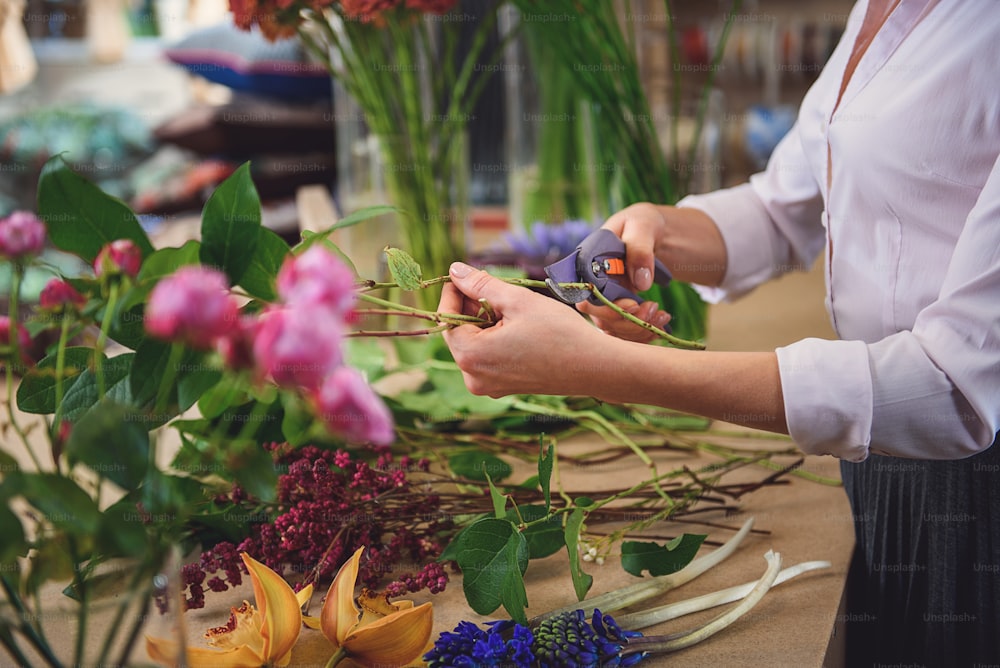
[537, 346]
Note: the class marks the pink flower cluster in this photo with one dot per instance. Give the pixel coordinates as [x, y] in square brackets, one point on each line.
[297, 342]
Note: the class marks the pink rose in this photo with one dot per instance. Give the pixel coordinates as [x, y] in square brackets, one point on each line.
[121, 256]
[317, 278]
[7, 339]
[350, 408]
[297, 346]
[193, 306]
[58, 295]
[21, 234]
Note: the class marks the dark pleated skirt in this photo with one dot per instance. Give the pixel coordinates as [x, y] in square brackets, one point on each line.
[924, 586]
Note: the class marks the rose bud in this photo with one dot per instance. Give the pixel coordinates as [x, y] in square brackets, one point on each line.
[21, 234]
[298, 347]
[349, 407]
[58, 295]
[121, 256]
[191, 306]
[317, 278]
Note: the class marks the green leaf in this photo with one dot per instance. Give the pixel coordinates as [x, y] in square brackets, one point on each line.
[639, 556]
[499, 499]
[192, 385]
[545, 461]
[37, 391]
[267, 259]
[404, 269]
[359, 216]
[113, 442]
[545, 538]
[493, 556]
[13, 544]
[228, 392]
[581, 581]
[475, 465]
[366, 356]
[450, 391]
[166, 261]
[122, 531]
[254, 470]
[229, 225]
[62, 502]
[297, 420]
[80, 217]
[129, 326]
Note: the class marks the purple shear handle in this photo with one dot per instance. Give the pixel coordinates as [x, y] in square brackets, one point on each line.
[594, 261]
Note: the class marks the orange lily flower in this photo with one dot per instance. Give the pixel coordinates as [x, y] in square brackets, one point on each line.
[379, 633]
[254, 637]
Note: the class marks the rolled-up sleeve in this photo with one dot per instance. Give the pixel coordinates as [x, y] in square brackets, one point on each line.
[770, 225]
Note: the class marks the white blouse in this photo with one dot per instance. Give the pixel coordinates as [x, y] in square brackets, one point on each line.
[908, 222]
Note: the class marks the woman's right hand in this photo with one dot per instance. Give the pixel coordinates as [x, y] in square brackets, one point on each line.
[683, 239]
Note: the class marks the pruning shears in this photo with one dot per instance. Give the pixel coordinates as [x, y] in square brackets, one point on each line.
[599, 260]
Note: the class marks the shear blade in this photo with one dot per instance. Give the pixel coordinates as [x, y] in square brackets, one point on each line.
[565, 271]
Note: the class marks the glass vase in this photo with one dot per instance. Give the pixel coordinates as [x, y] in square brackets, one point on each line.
[553, 174]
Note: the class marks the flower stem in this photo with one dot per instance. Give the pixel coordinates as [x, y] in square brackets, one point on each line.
[641, 591]
[60, 372]
[338, 656]
[102, 339]
[169, 374]
[674, 642]
[15, 360]
[663, 613]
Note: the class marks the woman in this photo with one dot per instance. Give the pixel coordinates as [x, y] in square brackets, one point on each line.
[892, 173]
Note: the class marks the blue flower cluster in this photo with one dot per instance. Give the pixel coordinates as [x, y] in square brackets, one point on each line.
[568, 640]
[504, 643]
[547, 243]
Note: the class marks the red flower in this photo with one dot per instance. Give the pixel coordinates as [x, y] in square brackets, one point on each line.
[431, 6]
[118, 257]
[367, 11]
[58, 295]
[192, 306]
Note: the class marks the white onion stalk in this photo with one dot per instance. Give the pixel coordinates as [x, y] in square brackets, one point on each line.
[646, 618]
[636, 593]
[676, 641]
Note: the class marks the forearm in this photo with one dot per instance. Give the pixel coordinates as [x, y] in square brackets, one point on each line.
[742, 388]
[691, 245]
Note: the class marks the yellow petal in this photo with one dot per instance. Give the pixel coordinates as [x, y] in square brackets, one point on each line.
[311, 622]
[279, 607]
[340, 614]
[395, 640]
[303, 595]
[165, 652]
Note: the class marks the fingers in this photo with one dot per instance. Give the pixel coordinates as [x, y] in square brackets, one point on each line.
[638, 226]
[477, 284]
[612, 323]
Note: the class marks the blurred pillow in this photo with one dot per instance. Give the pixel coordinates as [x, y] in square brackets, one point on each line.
[246, 61]
[249, 126]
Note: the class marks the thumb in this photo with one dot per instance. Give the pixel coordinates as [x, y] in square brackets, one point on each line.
[477, 284]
